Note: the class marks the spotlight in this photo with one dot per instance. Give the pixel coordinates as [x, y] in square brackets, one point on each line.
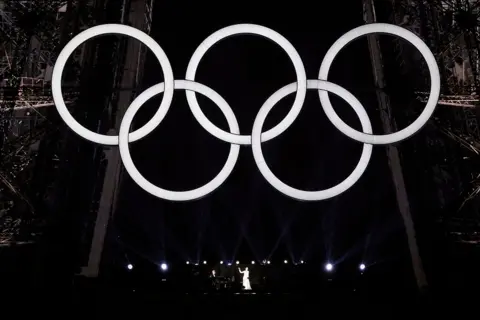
[362, 267]
[221, 262]
[329, 267]
[253, 262]
[129, 266]
[268, 261]
[188, 262]
[164, 266]
[229, 264]
[302, 262]
[204, 262]
[238, 262]
[285, 261]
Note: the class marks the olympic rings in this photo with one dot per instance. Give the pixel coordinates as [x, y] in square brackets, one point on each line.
[257, 137]
[301, 194]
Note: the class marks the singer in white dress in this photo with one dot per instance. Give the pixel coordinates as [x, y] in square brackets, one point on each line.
[246, 278]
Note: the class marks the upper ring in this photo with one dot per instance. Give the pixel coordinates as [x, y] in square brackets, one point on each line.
[434, 84]
[103, 30]
[256, 30]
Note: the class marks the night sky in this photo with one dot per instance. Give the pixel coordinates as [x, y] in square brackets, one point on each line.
[246, 218]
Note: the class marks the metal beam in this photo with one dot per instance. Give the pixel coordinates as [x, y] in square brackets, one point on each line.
[130, 77]
[392, 151]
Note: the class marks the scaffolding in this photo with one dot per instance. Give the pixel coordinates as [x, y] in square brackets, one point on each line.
[68, 174]
[32, 34]
[450, 144]
[452, 29]
[27, 32]
[26, 56]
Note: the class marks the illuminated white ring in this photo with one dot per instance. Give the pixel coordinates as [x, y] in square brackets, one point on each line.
[104, 30]
[301, 194]
[434, 86]
[270, 34]
[137, 176]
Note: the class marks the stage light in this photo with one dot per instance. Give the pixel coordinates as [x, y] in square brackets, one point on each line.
[329, 267]
[129, 266]
[188, 262]
[221, 262]
[268, 261]
[204, 262]
[229, 263]
[238, 262]
[164, 266]
[362, 267]
[253, 262]
[302, 262]
[285, 261]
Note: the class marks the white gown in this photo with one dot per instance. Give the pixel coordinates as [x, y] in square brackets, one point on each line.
[246, 280]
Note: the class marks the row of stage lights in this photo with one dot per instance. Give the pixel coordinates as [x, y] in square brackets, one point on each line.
[329, 267]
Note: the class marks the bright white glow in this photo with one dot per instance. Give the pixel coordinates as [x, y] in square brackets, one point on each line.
[301, 194]
[329, 267]
[221, 262]
[129, 266]
[285, 261]
[188, 262]
[302, 262]
[204, 262]
[238, 262]
[229, 264]
[252, 29]
[147, 185]
[253, 262]
[362, 266]
[105, 30]
[434, 83]
[164, 266]
[268, 262]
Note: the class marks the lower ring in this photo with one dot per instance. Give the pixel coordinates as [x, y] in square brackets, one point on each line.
[302, 194]
[144, 183]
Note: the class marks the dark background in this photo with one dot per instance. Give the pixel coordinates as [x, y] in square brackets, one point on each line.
[246, 218]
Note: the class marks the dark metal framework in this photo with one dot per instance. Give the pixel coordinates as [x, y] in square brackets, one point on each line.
[442, 162]
[72, 184]
[29, 36]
